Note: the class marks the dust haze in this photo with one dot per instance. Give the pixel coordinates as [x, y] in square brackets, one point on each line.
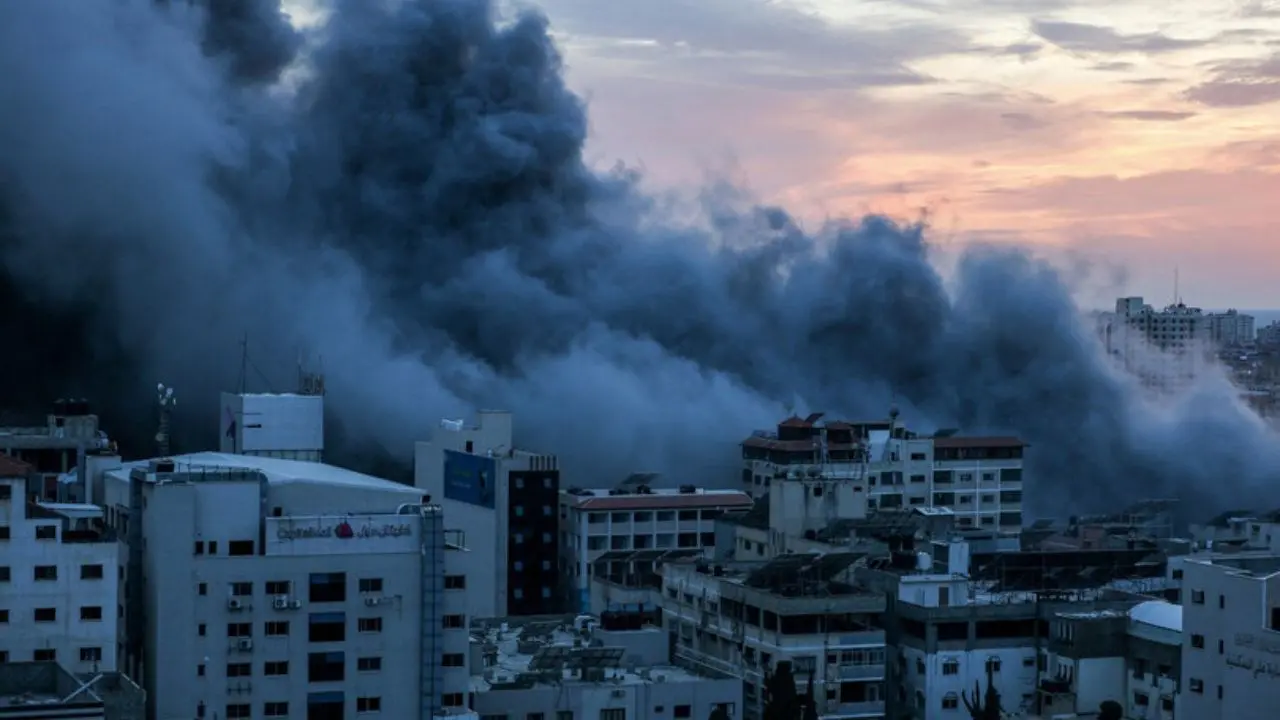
[402, 192]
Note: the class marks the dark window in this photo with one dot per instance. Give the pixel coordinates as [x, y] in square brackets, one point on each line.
[277, 628]
[199, 547]
[370, 585]
[327, 627]
[203, 588]
[91, 654]
[455, 582]
[4, 573]
[454, 621]
[452, 660]
[90, 572]
[5, 532]
[241, 589]
[326, 667]
[275, 709]
[6, 491]
[239, 670]
[46, 614]
[328, 587]
[239, 630]
[368, 704]
[91, 613]
[682, 711]
[46, 572]
[275, 668]
[326, 705]
[369, 664]
[45, 655]
[213, 547]
[278, 587]
[240, 547]
[46, 532]
[239, 711]
[1197, 641]
[369, 625]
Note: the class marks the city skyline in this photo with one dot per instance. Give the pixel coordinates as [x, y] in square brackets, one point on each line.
[1125, 137]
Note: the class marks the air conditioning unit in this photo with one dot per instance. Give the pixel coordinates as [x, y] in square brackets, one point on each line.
[280, 603]
[372, 601]
[234, 603]
[244, 644]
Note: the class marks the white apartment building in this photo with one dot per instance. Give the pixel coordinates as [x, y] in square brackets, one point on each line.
[1231, 636]
[587, 668]
[636, 517]
[741, 619]
[281, 425]
[261, 587]
[504, 500]
[59, 574]
[1165, 348]
[1231, 329]
[978, 478]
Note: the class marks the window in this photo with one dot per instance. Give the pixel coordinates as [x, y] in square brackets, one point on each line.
[239, 670]
[5, 532]
[240, 547]
[1197, 597]
[950, 667]
[455, 582]
[275, 709]
[239, 630]
[91, 654]
[200, 670]
[327, 627]
[370, 585]
[452, 660]
[46, 614]
[613, 714]
[213, 547]
[683, 711]
[275, 668]
[368, 704]
[328, 587]
[1197, 641]
[1222, 602]
[326, 667]
[950, 701]
[45, 655]
[46, 532]
[4, 617]
[278, 587]
[1197, 686]
[369, 625]
[4, 573]
[91, 613]
[46, 572]
[451, 700]
[203, 588]
[90, 572]
[200, 629]
[455, 621]
[239, 711]
[6, 491]
[369, 664]
[199, 547]
[993, 664]
[534, 716]
[242, 589]
[277, 628]
[564, 715]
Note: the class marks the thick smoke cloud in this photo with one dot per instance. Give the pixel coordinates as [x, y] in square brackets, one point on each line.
[412, 205]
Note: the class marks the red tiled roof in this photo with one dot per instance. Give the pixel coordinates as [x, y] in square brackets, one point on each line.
[11, 468]
[665, 502]
[794, 421]
[978, 442]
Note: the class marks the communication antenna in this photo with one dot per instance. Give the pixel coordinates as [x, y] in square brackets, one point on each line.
[165, 401]
[1177, 298]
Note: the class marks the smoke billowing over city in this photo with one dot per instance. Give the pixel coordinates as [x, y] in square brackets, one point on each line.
[402, 194]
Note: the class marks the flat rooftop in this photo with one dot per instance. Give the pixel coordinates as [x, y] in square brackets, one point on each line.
[553, 653]
[278, 472]
[657, 499]
[1249, 564]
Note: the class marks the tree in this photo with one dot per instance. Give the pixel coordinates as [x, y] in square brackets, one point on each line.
[982, 707]
[1110, 710]
[782, 701]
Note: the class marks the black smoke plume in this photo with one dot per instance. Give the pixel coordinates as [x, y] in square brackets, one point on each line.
[402, 193]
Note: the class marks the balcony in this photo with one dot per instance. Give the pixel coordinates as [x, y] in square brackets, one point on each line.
[860, 672]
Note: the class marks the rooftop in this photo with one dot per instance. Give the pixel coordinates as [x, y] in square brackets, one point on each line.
[554, 652]
[657, 498]
[281, 472]
[53, 691]
[13, 468]
[1158, 613]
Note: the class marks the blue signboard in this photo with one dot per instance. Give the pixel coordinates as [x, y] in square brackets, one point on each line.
[470, 478]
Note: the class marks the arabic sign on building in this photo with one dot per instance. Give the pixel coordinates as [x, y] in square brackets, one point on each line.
[344, 530]
[1255, 658]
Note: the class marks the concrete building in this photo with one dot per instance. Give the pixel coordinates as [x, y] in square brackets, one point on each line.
[1232, 329]
[1231, 637]
[505, 499]
[47, 691]
[261, 587]
[742, 619]
[279, 425]
[613, 668]
[60, 572]
[1166, 348]
[62, 451]
[634, 518]
[831, 471]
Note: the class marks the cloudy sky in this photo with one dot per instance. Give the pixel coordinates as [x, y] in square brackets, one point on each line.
[1136, 134]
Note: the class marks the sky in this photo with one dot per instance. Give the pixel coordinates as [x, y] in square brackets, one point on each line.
[1129, 139]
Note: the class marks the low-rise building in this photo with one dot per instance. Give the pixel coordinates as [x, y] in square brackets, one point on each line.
[47, 691]
[61, 574]
[613, 668]
[741, 619]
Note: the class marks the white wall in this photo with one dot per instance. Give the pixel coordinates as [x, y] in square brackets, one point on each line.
[1014, 680]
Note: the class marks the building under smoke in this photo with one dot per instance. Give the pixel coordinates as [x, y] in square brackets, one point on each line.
[1166, 349]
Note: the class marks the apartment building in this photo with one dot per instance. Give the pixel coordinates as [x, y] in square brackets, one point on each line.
[635, 524]
[62, 451]
[827, 468]
[60, 573]
[1231, 636]
[261, 587]
[741, 619]
[1165, 348]
[614, 667]
[505, 499]
[1232, 329]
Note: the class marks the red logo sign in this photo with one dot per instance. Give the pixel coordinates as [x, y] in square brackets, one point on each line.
[343, 531]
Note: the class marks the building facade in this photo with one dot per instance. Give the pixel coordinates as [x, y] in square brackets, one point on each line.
[1232, 329]
[60, 574]
[263, 588]
[1166, 349]
[505, 499]
[62, 451]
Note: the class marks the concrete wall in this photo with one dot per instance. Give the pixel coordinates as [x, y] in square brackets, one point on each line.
[638, 701]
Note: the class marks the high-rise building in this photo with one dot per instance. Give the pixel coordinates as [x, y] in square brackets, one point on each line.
[505, 501]
[1231, 329]
[1166, 348]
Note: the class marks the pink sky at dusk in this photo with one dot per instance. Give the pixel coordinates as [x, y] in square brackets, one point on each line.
[1135, 134]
